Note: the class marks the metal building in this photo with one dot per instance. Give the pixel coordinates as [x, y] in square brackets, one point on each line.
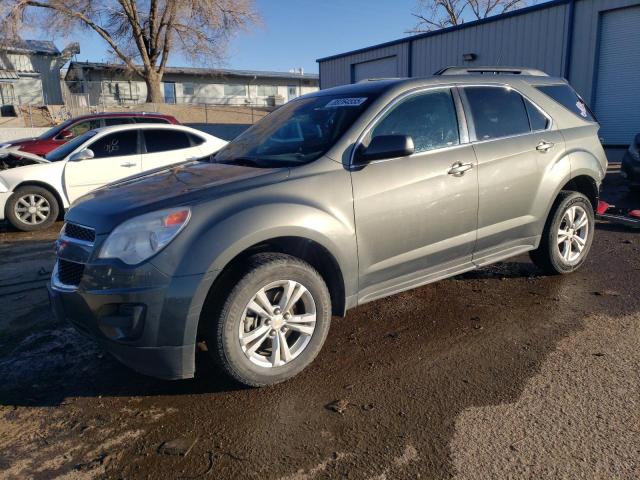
[595, 44]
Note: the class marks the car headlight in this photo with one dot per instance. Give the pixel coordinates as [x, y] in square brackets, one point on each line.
[142, 237]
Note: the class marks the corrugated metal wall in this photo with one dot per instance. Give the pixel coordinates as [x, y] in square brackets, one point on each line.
[533, 39]
[338, 71]
[536, 38]
[584, 53]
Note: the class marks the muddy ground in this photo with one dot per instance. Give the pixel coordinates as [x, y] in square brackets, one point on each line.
[499, 373]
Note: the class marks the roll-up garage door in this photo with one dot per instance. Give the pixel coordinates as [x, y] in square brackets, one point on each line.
[382, 68]
[617, 102]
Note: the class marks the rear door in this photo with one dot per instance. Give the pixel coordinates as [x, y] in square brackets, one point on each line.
[166, 146]
[514, 144]
[117, 156]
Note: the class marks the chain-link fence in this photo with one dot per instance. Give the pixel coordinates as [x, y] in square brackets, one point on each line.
[201, 103]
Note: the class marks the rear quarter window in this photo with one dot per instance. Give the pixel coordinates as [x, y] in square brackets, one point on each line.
[568, 98]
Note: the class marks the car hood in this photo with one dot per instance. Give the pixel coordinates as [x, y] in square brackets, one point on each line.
[181, 184]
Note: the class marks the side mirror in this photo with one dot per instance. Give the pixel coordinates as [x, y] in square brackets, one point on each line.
[85, 154]
[66, 134]
[386, 146]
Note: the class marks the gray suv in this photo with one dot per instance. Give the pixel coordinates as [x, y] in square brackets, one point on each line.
[335, 199]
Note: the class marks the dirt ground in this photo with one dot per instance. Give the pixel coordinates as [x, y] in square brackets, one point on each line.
[498, 373]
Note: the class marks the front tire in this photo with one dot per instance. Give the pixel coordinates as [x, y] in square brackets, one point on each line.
[32, 208]
[273, 322]
[567, 236]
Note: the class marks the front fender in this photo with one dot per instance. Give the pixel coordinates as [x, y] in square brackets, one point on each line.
[211, 246]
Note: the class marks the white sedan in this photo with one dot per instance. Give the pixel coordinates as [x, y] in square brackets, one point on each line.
[33, 194]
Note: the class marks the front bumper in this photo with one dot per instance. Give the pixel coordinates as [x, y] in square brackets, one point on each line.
[4, 197]
[149, 326]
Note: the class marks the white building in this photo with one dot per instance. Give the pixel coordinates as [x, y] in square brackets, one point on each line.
[30, 71]
[108, 84]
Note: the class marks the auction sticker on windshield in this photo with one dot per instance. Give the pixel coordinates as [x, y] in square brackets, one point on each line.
[346, 102]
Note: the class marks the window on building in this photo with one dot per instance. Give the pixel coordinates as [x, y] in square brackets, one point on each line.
[497, 112]
[537, 120]
[568, 98]
[121, 91]
[267, 90]
[188, 89]
[165, 140]
[429, 118]
[235, 90]
[117, 144]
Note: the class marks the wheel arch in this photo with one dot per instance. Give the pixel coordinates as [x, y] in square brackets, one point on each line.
[47, 186]
[311, 251]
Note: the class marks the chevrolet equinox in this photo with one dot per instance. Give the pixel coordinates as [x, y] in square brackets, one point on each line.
[335, 199]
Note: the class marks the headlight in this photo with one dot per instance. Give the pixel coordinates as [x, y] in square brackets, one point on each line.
[141, 237]
[5, 145]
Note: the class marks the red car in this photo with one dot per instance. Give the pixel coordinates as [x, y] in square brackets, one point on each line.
[60, 134]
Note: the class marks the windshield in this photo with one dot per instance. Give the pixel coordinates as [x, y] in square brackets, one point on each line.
[298, 132]
[62, 151]
[53, 132]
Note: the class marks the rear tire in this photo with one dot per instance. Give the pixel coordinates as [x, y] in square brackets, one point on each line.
[273, 321]
[567, 236]
[32, 208]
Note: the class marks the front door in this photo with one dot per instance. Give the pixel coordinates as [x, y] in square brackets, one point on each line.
[116, 156]
[415, 217]
[169, 92]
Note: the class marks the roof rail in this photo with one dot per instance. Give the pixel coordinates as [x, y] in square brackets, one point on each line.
[491, 71]
[378, 79]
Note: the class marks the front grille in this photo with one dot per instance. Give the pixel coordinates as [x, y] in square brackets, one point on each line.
[79, 232]
[70, 273]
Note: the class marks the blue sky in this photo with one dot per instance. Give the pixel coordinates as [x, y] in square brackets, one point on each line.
[294, 33]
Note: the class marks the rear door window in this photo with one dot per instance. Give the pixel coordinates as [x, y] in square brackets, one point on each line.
[497, 112]
[108, 122]
[165, 140]
[117, 144]
[568, 98]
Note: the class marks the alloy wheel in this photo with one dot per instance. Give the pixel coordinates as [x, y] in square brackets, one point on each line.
[277, 324]
[32, 209]
[573, 233]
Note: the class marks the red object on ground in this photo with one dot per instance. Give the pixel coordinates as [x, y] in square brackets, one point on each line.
[602, 207]
[61, 134]
[634, 213]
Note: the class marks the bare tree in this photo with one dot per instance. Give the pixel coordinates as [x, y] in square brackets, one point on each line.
[437, 14]
[142, 34]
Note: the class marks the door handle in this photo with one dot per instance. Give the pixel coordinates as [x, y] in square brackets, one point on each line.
[458, 168]
[128, 164]
[544, 146]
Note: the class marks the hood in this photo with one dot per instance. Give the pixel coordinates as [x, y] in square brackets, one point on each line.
[182, 184]
[12, 158]
[21, 141]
